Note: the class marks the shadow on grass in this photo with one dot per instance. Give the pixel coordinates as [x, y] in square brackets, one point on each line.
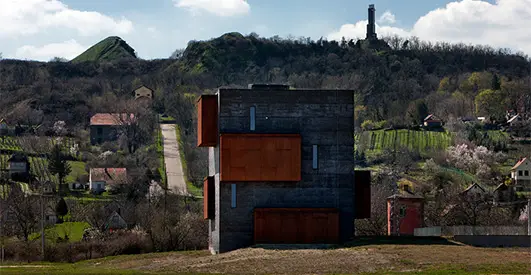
[364, 241]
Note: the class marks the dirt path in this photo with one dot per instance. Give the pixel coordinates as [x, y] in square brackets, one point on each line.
[172, 159]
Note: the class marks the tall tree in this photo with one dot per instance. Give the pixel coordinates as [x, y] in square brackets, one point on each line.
[61, 209]
[58, 165]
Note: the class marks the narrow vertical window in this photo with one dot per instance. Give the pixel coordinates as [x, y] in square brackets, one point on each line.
[314, 157]
[253, 118]
[233, 195]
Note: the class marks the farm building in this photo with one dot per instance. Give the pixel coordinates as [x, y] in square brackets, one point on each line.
[103, 179]
[405, 212]
[143, 92]
[432, 121]
[104, 126]
[280, 166]
[19, 166]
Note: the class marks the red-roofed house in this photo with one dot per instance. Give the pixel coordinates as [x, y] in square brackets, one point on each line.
[521, 173]
[102, 178]
[432, 121]
[104, 126]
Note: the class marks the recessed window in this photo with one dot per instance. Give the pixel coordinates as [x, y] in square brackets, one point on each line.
[314, 157]
[233, 195]
[402, 212]
[526, 173]
[253, 118]
[520, 173]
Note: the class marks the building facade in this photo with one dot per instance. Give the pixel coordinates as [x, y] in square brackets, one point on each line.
[281, 165]
[106, 126]
[521, 174]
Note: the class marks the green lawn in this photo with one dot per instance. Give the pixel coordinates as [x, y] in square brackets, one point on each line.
[74, 231]
[78, 169]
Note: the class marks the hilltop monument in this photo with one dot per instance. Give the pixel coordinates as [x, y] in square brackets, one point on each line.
[371, 41]
[371, 27]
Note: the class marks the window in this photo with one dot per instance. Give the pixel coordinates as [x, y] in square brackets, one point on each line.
[233, 196]
[520, 173]
[402, 211]
[253, 118]
[314, 157]
[526, 173]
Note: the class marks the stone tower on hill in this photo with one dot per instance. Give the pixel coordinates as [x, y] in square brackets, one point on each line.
[371, 27]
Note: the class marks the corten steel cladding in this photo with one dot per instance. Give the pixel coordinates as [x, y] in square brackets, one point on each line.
[362, 194]
[207, 121]
[208, 198]
[260, 157]
[296, 225]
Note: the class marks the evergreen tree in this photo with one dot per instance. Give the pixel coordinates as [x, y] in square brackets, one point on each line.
[61, 209]
[58, 165]
[496, 85]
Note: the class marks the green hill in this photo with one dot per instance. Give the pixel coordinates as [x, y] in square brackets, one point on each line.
[109, 49]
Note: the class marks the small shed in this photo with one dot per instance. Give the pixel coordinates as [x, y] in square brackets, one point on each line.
[19, 165]
[432, 121]
[405, 212]
[115, 222]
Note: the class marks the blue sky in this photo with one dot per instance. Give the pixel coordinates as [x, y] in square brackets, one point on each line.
[42, 29]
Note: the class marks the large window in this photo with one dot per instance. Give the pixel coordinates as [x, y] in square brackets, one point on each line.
[520, 173]
[526, 173]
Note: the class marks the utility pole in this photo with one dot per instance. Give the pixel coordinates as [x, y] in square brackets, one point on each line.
[42, 219]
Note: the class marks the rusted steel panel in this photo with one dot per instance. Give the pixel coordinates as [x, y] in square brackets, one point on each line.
[208, 198]
[207, 121]
[260, 157]
[296, 225]
[362, 194]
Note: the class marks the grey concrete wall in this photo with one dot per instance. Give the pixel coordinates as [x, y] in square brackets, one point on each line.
[495, 241]
[470, 230]
[323, 118]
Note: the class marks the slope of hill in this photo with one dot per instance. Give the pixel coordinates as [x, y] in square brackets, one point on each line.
[109, 49]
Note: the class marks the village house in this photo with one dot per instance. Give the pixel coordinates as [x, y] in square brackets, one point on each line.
[474, 191]
[432, 121]
[521, 174]
[4, 128]
[281, 166]
[105, 179]
[105, 126]
[19, 167]
[503, 193]
[115, 222]
[143, 92]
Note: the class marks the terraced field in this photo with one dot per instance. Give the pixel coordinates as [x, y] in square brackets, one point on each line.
[418, 141]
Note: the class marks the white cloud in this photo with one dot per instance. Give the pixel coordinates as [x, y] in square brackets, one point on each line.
[502, 24]
[387, 18]
[217, 7]
[28, 17]
[67, 49]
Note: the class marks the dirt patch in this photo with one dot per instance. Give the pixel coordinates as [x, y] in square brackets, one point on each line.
[405, 258]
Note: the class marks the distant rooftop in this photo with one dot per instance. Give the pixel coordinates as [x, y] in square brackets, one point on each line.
[110, 119]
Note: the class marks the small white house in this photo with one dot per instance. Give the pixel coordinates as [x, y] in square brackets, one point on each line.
[101, 178]
[521, 172]
[143, 92]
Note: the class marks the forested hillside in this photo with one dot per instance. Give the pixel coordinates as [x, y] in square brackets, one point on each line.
[394, 88]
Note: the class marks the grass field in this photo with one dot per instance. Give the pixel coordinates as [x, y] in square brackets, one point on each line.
[417, 141]
[357, 259]
[74, 231]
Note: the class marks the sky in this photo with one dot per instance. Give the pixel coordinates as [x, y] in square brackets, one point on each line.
[43, 29]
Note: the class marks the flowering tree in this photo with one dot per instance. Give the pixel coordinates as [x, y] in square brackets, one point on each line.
[476, 160]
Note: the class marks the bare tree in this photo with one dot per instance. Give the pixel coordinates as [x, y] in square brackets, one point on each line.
[23, 210]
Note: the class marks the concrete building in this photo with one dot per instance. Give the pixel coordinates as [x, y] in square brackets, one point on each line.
[281, 166]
